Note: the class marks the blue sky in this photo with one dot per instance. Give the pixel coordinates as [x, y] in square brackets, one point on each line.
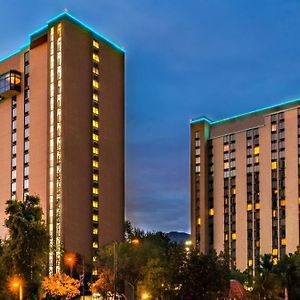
[184, 58]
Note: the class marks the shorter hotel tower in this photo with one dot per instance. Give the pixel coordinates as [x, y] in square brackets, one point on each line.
[62, 135]
[245, 184]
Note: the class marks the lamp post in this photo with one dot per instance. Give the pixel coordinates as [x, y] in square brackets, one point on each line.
[134, 242]
[70, 259]
[16, 286]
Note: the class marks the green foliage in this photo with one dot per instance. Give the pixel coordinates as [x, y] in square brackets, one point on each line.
[164, 269]
[25, 252]
[205, 276]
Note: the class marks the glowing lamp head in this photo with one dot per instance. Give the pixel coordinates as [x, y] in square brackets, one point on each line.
[15, 283]
[70, 259]
[135, 241]
[145, 296]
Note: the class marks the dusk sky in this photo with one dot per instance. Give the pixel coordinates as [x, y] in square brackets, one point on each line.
[184, 58]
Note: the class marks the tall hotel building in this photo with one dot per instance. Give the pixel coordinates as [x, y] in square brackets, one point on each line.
[245, 184]
[62, 135]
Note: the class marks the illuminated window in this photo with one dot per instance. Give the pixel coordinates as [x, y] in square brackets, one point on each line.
[226, 165]
[275, 261]
[283, 242]
[257, 244]
[95, 204]
[95, 191]
[95, 164]
[249, 207]
[95, 177]
[95, 111]
[94, 258]
[256, 150]
[256, 159]
[95, 245]
[274, 127]
[257, 206]
[199, 221]
[233, 191]
[226, 237]
[95, 230]
[211, 212]
[95, 218]
[96, 70]
[95, 97]
[226, 148]
[95, 84]
[275, 252]
[95, 124]
[274, 165]
[299, 200]
[250, 262]
[95, 272]
[95, 150]
[95, 44]
[95, 137]
[233, 236]
[59, 29]
[96, 57]
[274, 213]
[282, 202]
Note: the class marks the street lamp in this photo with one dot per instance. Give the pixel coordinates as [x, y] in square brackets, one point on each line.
[16, 286]
[70, 260]
[134, 242]
[145, 296]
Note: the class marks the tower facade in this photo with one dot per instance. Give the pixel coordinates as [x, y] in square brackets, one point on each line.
[245, 184]
[62, 135]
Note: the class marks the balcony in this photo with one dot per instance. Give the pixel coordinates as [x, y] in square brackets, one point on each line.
[10, 84]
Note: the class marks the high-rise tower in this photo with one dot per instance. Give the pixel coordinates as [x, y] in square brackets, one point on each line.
[62, 135]
[245, 183]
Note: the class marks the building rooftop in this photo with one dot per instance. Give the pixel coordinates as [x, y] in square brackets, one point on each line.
[262, 111]
[58, 18]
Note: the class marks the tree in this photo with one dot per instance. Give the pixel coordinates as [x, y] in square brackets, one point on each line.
[204, 276]
[25, 252]
[154, 279]
[104, 284]
[288, 269]
[267, 284]
[60, 286]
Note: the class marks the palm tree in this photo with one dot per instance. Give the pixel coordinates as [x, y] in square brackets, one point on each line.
[288, 269]
[267, 283]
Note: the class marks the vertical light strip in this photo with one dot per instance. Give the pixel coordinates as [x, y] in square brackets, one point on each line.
[51, 157]
[58, 148]
[95, 154]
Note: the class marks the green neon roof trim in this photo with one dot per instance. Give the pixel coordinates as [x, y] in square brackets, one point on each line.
[68, 16]
[203, 118]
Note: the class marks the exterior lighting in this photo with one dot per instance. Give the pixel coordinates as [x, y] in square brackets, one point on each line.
[70, 260]
[135, 241]
[145, 296]
[16, 286]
